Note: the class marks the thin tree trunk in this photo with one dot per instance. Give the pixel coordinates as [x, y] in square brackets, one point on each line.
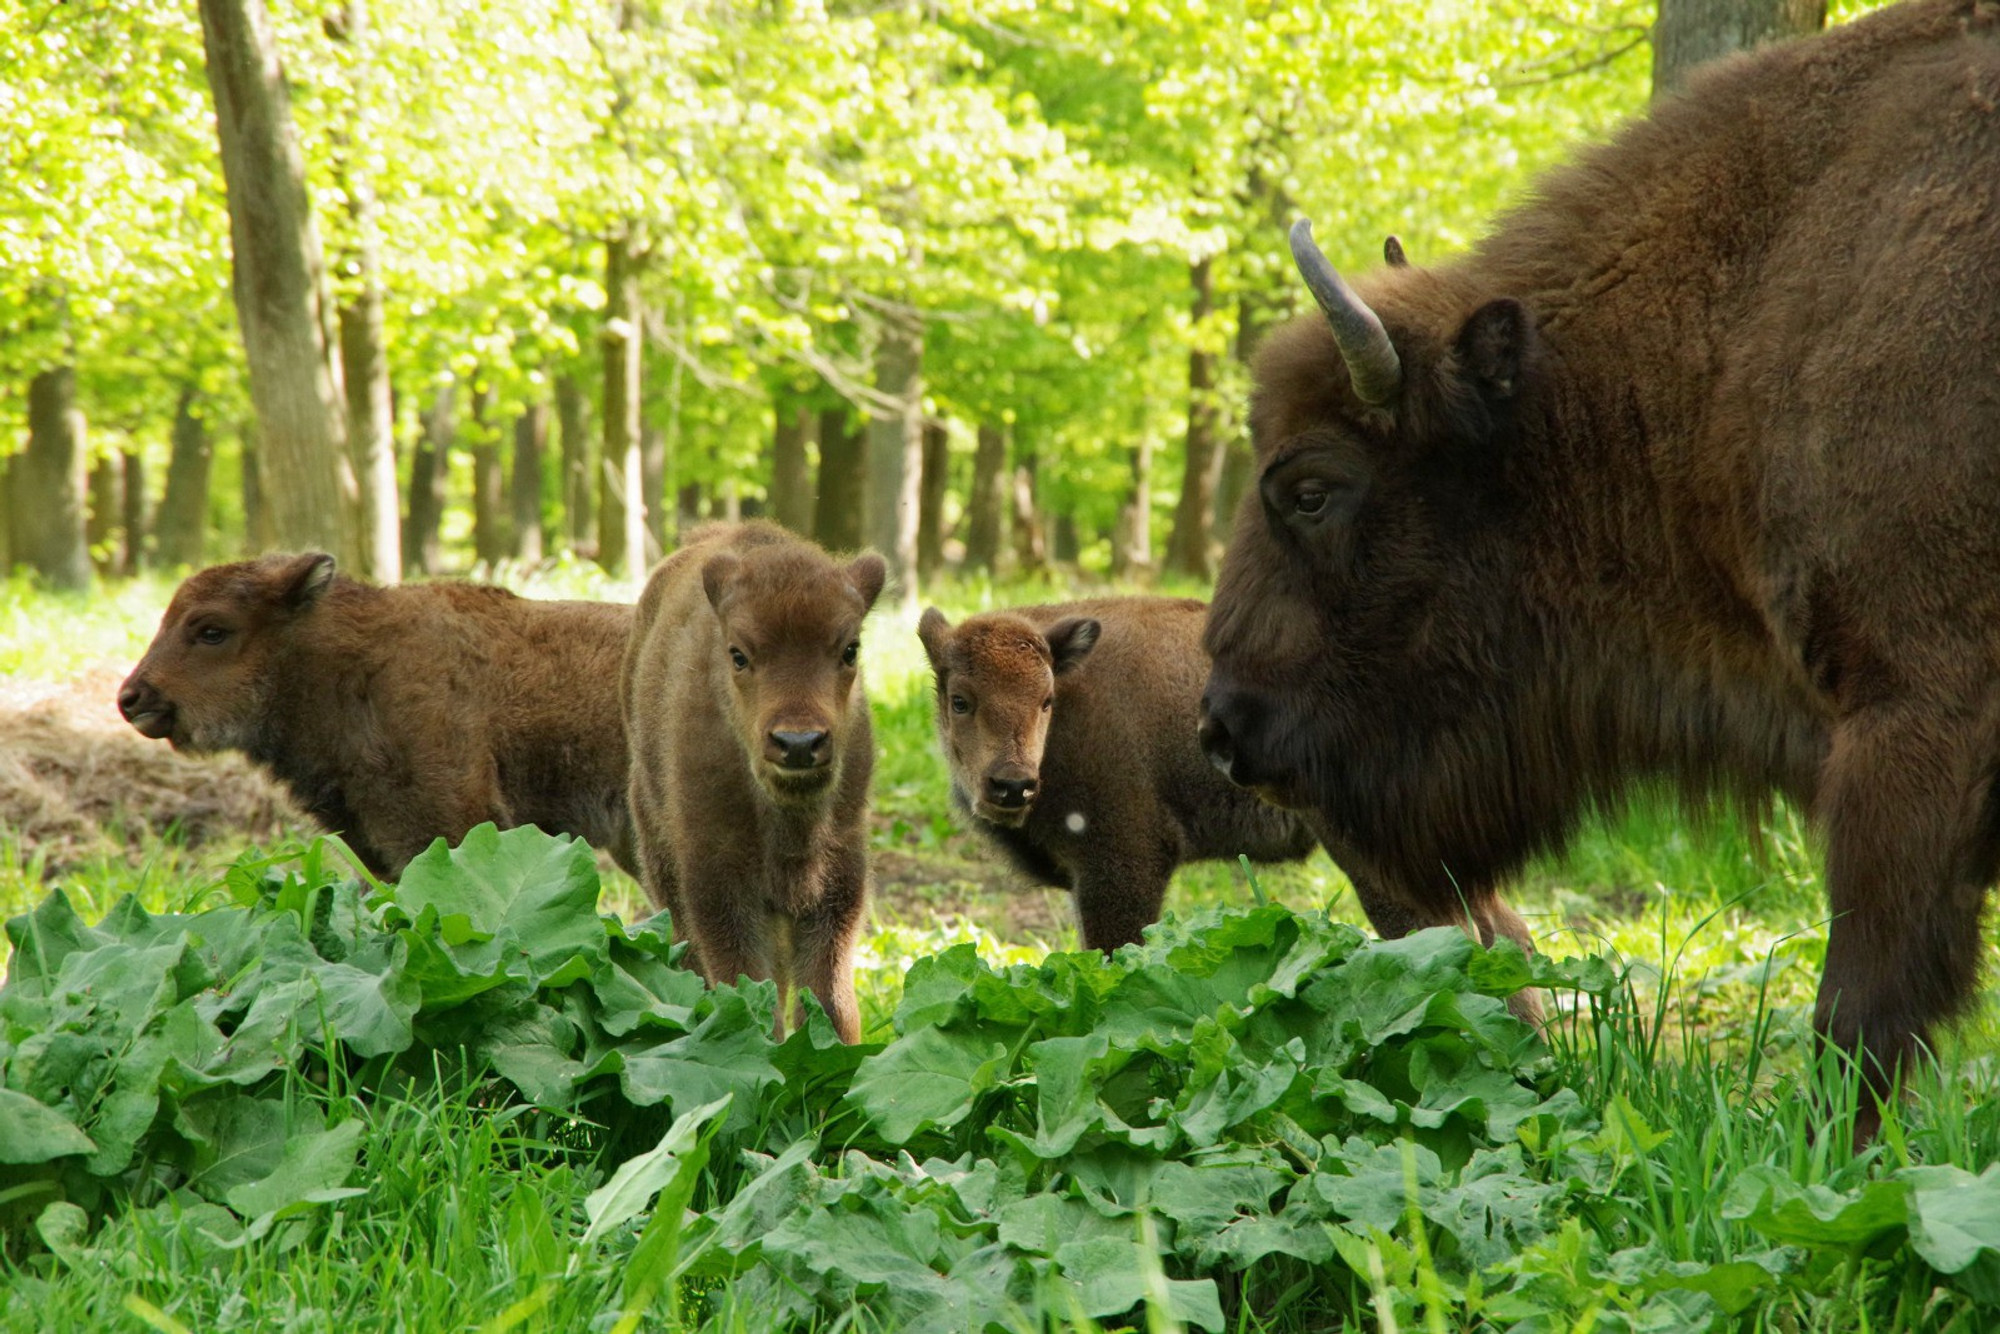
[1132, 537]
[430, 464]
[132, 469]
[1188, 548]
[1031, 547]
[791, 469]
[839, 519]
[653, 478]
[489, 499]
[364, 355]
[531, 436]
[182, 522]
[1254, 315]
[577, 491]
[278, 283]
[986, 504]
[260, 530]
[1689, 33]
[49, 478]
[103, 498]
[896, 453]
[621, 511]
[1068, 539]
[931, 498]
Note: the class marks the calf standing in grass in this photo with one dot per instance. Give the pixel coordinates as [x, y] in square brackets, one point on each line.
[396, 716]
[751, 755]
[1070, 732]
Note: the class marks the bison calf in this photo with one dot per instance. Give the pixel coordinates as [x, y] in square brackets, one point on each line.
[396, 715]
[752, 752]
[1070, 732]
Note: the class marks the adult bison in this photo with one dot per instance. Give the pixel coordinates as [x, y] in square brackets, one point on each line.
[396, 716]
[1690, 471]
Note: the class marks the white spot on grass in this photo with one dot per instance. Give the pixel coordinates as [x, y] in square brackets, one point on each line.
[1074, 822]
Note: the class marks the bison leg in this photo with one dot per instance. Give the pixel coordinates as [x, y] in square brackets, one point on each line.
[823, 942]
[1910, 851]
[1118, 895]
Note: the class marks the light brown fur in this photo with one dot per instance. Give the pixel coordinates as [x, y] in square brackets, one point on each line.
[763, 867]
[396, 716]
[1093, 704]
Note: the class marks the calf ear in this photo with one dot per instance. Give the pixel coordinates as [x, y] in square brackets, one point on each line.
[1494, 346]
[868, 573]
[1071, 640]
[717, 575]
[303, 579]
[932, 629]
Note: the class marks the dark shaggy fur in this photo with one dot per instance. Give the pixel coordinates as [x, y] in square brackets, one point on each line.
[1694, 473]
[1070, 733]
[396, 716]
[751, 755]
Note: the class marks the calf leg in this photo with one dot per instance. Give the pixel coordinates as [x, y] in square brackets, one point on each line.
[823, 940]
[1118, 894]
[1904, 799]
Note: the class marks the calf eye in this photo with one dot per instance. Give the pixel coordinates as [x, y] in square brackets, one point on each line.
[210, 634]
[851, 654]
[1309, 500]
[1048, 703]
[959, 704]
[736, 655]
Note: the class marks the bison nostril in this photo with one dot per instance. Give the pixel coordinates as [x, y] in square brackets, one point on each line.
[1010, 791]
[799, 750]
[1218, 744]
[131, 700]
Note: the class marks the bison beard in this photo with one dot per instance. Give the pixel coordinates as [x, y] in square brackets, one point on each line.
[1690, 472]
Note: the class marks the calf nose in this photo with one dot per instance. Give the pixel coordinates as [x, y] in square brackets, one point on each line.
[798, 750]
[1010, 792]
[132, 698]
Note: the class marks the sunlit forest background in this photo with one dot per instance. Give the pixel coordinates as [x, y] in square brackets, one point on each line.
[972, 282]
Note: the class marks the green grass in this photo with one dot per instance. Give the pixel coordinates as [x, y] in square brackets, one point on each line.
[472, 1214]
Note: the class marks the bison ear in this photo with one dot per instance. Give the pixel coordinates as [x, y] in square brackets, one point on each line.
[1493, 347]
[717, 575]
[1070, 641]
[932, 630]
[303, 579]
[868, 573]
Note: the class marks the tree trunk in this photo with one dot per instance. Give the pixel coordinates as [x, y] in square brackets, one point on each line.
[260, 530]
[986, 504]
[896, 453]
[791, 469]
[1132, 537]
[1188, 548]
[430, 465]
[183, 517]
[531, 437]
[103, 498]
[662, 520]
[931, 496]
[364, 356]
[490, 543]
[278, 285]
[1693, 32]
[839, 519]
[48, 480]
[577, 492]
[1031, 547]
[132, 468]
[1068, 545]
[621, 512]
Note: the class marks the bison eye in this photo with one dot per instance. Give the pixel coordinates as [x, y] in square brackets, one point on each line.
[851, 654]
[737, 656]
[210, 634]
[1048, 703]
[959, 704]
[1309, 500]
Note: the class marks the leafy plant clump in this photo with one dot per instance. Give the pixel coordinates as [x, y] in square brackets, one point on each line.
[1255, 1113]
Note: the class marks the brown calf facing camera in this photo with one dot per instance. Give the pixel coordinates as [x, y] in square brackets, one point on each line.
[1069, 731]
[396, 716]
[752, 753]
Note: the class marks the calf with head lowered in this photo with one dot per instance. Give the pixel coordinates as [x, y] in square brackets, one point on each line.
[752, 752]
[1070, 734]
[396, 716]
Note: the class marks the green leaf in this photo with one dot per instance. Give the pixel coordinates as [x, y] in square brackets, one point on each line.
[926, 1079]
[679, 1155]
[1766, 1199]
[530, 897]
[33, 1132]
[311, 1169]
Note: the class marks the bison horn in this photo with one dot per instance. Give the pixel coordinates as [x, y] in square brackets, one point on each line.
[1373, 367]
